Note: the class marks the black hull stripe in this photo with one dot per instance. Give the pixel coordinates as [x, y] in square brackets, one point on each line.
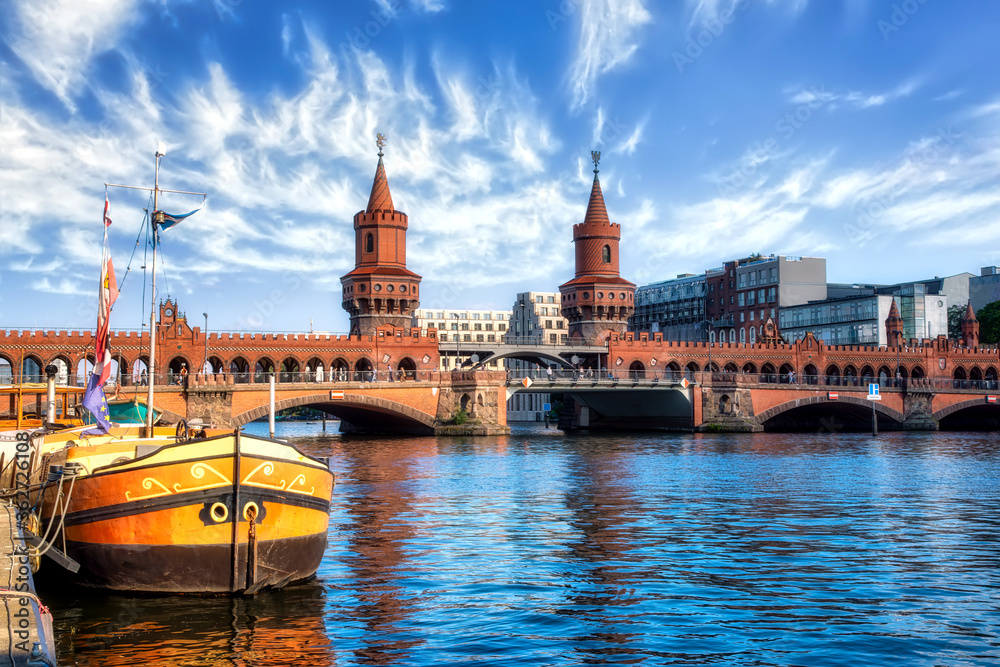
[195, 498]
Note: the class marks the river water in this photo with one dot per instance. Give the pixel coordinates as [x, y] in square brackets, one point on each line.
[541, 548]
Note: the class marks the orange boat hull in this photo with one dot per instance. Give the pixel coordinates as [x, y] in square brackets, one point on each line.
[176, 518]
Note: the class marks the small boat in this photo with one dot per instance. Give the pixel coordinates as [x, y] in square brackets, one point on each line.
[124, 411]
[184, 511]
[177, 509]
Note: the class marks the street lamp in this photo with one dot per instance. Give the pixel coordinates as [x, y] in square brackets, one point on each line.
[205, 362]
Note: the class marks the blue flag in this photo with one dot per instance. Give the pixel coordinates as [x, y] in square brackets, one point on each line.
[97, 404]
[170, 219]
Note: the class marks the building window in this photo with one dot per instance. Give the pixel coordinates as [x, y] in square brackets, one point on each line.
[753, 335]
[553, 338]
[760, 295]
[443, 337]
[501, 327]
[774, 274]
[742, 299]
[467, 338]
[548, 324]
[491, 338]
[370, 243]
[743, 335]
[551, 299]
[751, 316]
[454, 326]
[489, 327]
[479, 338]
[465, 326]
[742, 315]
[772, 295]
[607, 254]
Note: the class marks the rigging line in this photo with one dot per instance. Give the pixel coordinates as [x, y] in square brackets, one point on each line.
[128, 268]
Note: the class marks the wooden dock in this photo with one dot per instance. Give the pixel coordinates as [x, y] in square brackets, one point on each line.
[28, 641]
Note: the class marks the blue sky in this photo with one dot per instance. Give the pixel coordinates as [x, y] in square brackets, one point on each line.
[864, 131]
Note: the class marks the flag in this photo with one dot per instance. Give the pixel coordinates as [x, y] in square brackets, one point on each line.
[107, 292]
[96, 403]
[170, 219]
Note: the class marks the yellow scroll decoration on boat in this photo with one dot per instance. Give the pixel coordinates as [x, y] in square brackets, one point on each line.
[148, 484]
[198, 472]
[268, 469]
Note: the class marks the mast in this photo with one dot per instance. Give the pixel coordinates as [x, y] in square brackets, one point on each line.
[151, 370]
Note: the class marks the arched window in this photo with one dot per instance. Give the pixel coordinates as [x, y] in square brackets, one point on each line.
[370, 243]
[607, 254]
[743, 336]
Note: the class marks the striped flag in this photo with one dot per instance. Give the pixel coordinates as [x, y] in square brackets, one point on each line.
[107, 292]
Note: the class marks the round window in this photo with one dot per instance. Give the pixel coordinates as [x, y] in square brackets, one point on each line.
[377, 288]
[389, 288]
[622, 296]
[940, 304]
[361, 288]
[611, 295]
[402, 289]
[586, 295]
[600, 295]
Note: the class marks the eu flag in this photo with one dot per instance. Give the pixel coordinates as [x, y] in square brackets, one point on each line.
[97, 404]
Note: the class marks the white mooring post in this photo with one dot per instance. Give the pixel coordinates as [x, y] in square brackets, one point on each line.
[270, 404]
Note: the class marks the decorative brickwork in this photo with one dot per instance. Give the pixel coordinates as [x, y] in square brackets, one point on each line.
[597, 300]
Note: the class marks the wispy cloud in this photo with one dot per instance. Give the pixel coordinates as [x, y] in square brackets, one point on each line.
[608, 39]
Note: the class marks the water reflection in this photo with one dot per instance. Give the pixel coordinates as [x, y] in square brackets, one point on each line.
[379, 503]
[279, 628]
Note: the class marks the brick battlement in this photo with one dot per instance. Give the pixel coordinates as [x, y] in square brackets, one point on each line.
[585, 230]
[398, 217]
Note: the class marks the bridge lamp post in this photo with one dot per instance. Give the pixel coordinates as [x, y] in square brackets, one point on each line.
[205, 362]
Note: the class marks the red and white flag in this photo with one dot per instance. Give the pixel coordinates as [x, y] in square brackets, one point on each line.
[107, 293]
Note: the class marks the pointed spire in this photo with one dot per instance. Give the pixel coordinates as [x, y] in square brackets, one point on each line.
[380, 198]
[597, 212]
[893, 311]
[970, 315]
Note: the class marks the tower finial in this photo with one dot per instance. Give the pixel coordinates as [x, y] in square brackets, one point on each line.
[380, 142]
[595, 156]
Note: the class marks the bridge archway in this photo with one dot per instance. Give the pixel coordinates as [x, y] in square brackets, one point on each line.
[407, 369]
[362, 412]
[810, 374]
[540, 357]
[972, 415]
[289, 370]
[846, 414]
[239, 367]
[6, 370]
[750, 368]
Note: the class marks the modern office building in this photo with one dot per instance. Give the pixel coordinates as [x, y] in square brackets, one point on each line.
[457, 326]
[984, 288]
[674, 307]
[535, 318]
[745, 293]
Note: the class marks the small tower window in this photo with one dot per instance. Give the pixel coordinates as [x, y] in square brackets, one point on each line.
[607, 254]
[370, 243]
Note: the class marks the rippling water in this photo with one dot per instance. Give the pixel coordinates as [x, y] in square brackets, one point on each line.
[669, 549]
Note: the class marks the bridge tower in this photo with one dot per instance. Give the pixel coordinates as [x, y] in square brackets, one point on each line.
[970, 327]
[894, 326]
[380, 290]
[597, 300]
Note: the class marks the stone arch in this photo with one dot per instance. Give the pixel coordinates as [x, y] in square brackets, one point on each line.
[810, 374]
[850, 375]
[959, 373]
[689, 370]
[731, 368]
[464, 402]
[61, 362]
[214, 364]
[340, 370]
[6, 370]
[833, 374]
[767, 373]
[315, 369]
[884, 373]
[406, 369]
[84, 367]
[725, 404]
[363, 411]
[917, 372]
[859, 403]
[262, 368]
[990, 377]
[174, 369]
[964, 405]
[540, 357]
[637, 370]
[290, 370]
[362, 368]
[786, 373]
[239, 368]
[867, 374]
[140, 370]
[750, 368]
[31, 369]
[975, 374]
